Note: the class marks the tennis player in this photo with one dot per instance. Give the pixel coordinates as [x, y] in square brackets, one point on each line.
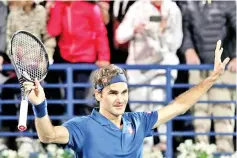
[109, 132]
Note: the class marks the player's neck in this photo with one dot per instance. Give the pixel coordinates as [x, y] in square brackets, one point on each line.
[115, 119]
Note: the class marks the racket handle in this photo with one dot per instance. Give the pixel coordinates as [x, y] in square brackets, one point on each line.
[23, 115]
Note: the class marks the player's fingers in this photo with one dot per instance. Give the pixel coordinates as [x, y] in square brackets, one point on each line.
[197, 61]
[218, 50]
[226, 61]
[37, 84]
[218, 45]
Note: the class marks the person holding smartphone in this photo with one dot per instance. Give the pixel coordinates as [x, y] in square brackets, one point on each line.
[154, 31]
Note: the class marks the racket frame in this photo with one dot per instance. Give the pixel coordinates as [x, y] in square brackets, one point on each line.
[24, 99]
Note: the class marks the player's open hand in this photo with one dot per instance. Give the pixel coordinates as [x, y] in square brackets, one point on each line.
[37, 94]
[219, 66]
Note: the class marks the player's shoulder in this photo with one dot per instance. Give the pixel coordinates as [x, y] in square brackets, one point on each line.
[131, 116]
[78, 121]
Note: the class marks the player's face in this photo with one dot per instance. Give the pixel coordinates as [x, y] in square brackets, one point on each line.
[115, 98]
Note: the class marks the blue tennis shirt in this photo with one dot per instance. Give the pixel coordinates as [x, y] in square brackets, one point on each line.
[94, 136]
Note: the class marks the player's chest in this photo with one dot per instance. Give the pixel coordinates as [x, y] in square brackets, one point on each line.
[111, 141]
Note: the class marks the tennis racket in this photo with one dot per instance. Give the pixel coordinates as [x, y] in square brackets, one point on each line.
[30, 60]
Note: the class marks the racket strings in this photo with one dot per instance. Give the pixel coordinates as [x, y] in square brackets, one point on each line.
[29, 57]
[30, 61]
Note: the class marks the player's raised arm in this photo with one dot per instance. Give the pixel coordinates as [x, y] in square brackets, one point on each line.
[46, 131]
[186, 100]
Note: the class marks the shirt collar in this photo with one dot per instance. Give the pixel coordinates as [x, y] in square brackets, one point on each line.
[103, 120]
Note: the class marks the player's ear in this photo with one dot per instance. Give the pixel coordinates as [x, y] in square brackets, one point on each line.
[98, 95]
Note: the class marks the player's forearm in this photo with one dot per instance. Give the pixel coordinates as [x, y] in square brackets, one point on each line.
[45, 129]
[186, 100]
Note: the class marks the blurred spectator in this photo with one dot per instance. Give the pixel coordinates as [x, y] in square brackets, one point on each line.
[113, 12]
[31, 17]
[119, 9]
[82, 39]
[3, 24]
[154, 32]
[24, 19]
[204, 24]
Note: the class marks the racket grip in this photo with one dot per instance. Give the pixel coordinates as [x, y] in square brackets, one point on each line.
[23, 115]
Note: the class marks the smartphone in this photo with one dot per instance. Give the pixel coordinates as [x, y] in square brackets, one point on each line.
[155, 18]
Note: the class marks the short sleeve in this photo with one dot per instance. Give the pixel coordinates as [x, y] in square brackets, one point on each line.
[147, 121]
[76, 134]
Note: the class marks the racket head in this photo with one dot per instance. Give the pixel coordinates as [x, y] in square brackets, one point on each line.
[28, 56]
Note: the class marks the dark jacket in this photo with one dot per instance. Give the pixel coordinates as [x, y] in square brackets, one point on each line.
[205, 24]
